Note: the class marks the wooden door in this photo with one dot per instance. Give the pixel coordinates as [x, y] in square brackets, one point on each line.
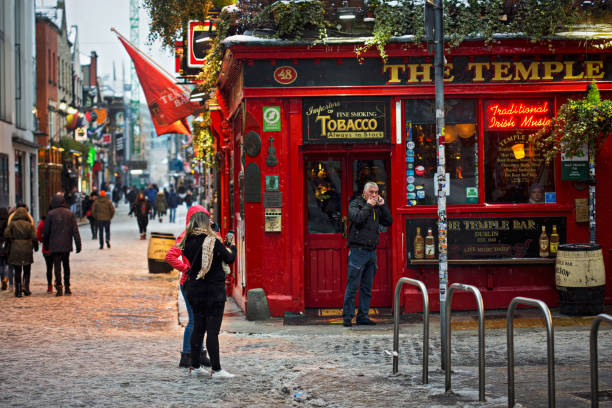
[331, 181]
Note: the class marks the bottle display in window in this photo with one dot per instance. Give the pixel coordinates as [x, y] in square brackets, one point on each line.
[419, 245]
[430, 245]
[554, 241]
[544, 243]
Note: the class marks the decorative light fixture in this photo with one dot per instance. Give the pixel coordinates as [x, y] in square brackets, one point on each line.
[63, 105]
[197, 96]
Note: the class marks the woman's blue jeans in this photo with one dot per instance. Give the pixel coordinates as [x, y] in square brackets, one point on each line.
[189, 326]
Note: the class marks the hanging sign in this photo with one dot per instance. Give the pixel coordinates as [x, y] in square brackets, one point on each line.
[346, 120]
[271, 119]
[575, 168]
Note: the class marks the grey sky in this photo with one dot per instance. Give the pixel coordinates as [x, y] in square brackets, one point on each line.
[95, 18]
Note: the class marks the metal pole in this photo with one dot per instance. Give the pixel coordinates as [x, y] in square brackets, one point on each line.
[396, 316]
[481, 336]
[441, 168]
[593, 349]
[510, 344]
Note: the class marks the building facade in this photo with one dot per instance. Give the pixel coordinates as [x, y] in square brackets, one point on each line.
[18, 148]
[301, 129]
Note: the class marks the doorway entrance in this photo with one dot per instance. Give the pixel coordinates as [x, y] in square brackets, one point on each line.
[331, 181]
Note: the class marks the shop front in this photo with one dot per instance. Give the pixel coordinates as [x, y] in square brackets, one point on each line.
[305, 128]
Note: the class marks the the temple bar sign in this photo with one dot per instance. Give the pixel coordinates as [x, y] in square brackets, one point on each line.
[420, 70]
[346, 120]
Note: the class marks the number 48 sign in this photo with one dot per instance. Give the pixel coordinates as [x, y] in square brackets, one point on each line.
[271, 119]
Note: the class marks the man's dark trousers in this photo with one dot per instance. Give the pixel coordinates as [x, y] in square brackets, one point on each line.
[104, 226]
[361, 270]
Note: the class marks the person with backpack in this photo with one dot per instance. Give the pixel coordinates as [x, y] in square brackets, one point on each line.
[141, 209]
[103, 211]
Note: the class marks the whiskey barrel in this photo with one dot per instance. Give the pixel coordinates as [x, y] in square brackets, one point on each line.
[580, 278]
[159, 244]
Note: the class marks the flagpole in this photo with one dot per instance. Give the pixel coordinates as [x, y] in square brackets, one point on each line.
[162, 69]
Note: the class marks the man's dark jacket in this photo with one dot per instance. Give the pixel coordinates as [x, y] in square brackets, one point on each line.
[60, 227]
[364, 221]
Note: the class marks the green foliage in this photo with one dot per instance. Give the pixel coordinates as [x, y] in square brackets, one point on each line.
[169, 18]
[579, 123]
[203, 141]
[292, 19]
[69, 144]
[214, 58]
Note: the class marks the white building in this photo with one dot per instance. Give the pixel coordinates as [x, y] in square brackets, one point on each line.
[18, 148]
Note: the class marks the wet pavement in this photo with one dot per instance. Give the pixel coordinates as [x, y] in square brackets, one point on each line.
[116, 342]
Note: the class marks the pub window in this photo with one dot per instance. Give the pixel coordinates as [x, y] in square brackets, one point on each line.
[324, 192]
[461, 151]
[515, 168]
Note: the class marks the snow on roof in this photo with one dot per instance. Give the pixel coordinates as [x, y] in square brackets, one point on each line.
[49, 9]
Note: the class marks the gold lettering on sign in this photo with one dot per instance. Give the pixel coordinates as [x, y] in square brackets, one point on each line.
[419, 70]
[551, 67]
[501, 71]
[478, 67]
[526, 74]
[569, 71]
[393, 72]
[593, 69]
[448, 76]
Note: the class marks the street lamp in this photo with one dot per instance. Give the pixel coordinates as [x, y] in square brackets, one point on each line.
[63, 105]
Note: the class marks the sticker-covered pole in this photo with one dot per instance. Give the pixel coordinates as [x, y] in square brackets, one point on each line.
[441, 170]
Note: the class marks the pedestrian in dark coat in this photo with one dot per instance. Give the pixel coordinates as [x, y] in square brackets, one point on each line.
[5, 270]
[142, 209]
[58, 232]
[205, 289]
[173, 200]
[103, 211]
[131, 197]
[87, 204]
[188, 199]
[21, 233]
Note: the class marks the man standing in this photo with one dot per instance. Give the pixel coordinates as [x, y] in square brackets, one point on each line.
[59, 230]
[103, 211]
[366, 214]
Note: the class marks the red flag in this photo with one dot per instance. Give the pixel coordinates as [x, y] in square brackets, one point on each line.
[176, 127]
[167, 101]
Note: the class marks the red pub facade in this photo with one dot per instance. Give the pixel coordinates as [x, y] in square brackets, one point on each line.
[301, 128]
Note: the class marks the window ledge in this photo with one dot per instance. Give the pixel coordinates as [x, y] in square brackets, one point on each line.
[486, 261]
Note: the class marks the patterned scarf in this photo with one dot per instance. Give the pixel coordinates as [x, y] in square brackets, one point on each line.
[208, 247]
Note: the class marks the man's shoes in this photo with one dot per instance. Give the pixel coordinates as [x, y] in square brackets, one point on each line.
[221, 374]
[108, 244]
[67, 291]
[366, 322]
[49, 288]
[347, 323]
[101, 246]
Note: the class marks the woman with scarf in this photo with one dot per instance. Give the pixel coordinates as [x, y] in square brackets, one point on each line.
[22, 236]
[205, 289]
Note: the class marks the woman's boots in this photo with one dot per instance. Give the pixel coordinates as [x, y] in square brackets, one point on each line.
[18, 288]
[26, 283]
[60, 289]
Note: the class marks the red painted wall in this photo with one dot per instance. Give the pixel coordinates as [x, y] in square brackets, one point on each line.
[46, 81]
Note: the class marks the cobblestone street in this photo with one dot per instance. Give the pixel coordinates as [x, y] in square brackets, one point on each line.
[116, 342]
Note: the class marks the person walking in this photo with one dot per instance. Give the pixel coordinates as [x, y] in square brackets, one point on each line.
[116, 194]
[366, 214]
[188, 199]
[177, 260]
[131, 196]
[141, 209]
[21, 233]
[151, 193]
[160, 205]
[172, 204]
[103, 211]
[205, 289]
[46, 255]
[4, 250]
[87, 204]
[59, 230]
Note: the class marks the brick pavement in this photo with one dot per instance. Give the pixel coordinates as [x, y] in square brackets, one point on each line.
[116, 342]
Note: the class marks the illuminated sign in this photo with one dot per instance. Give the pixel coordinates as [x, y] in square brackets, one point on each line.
[509, 115]
[199, 39]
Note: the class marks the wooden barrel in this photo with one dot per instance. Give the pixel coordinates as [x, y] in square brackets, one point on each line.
[159, 244]
[580, 278]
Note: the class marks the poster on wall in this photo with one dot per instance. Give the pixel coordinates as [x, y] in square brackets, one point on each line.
[332, 120]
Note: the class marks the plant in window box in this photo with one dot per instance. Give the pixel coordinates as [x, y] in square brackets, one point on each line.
[579, 123]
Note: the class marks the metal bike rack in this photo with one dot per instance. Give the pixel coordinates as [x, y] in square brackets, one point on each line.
[593, 353]
[510, 341]
[481, 342]
[396, 317]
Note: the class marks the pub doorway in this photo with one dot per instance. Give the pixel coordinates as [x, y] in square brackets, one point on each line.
[331, 180]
